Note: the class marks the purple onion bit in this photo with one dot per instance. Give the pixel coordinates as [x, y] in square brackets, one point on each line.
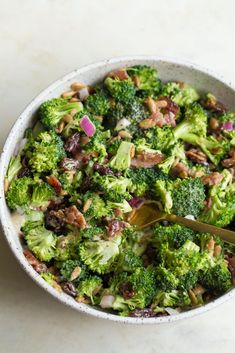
[87, 126]
[228, 125]
[136, 202]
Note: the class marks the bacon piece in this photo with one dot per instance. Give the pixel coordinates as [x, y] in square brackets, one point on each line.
[168, 105]
[212, 179]
[181, 170]
[54, 182]
[74, 217]
[120, 74]
[115, 226]
[147, 160]
[163, 112]
[196, 156]
[230, 162]
[35, 263]
[214, 105]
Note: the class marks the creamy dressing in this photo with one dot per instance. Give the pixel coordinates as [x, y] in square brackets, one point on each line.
[18, 220]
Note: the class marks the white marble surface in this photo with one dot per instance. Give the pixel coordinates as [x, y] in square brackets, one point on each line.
[41, 41]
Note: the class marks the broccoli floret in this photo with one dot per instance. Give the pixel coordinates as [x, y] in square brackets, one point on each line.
[128, 261]
[71, 181]
[181, 260]
[42, 194]
[175, 153]
[217, 278]
[122, 91]
[51, 279]
[90, 233]
[48, 277]
[114, 188]
[160, 138]
[66, 248]
[166, 280]
[162, 192]
[123, 206]
[32, 216]
[126, 116]
[47, 151]
[100, 255]
[174, 299]
[97, 104]
[174, 234]
[227, 117]
[122, 160]
[41, 242]
[97, 144]
[142, 146]
[222, 210]
[143, 179]
[146, 79]
[188, 196]
[227, 121]
[13, 167]
[142, 285]
[89, 288]
[195, 122]
[181, 94]
[73, 270]
[19, 193]
[52, 112]
[96, 207]
[135, 239]
[179, 267]
[193, 130]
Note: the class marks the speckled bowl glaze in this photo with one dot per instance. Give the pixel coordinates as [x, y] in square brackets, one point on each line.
[202, 79]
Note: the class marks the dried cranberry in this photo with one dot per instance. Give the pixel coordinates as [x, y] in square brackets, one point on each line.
[54, 221]
[69, 288]
[72, 145]
[171, 106]
[25, 170]
[126, 290]
[104, 170]
[86, 185]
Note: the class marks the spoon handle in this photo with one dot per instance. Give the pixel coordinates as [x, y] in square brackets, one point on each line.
[226, 235]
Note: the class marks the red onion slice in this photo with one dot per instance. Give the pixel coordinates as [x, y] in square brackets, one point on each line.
[107, 301]
[136, 202]
[87, 126]
[228, 125]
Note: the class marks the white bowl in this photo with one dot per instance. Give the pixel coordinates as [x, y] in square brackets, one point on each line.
[201, 79]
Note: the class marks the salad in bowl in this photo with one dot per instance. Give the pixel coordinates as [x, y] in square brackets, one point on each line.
[95, 154]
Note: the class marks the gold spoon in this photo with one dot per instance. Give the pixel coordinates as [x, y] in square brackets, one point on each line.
[149, 214]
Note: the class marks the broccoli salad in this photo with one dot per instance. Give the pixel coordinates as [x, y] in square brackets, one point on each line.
[95, 155]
